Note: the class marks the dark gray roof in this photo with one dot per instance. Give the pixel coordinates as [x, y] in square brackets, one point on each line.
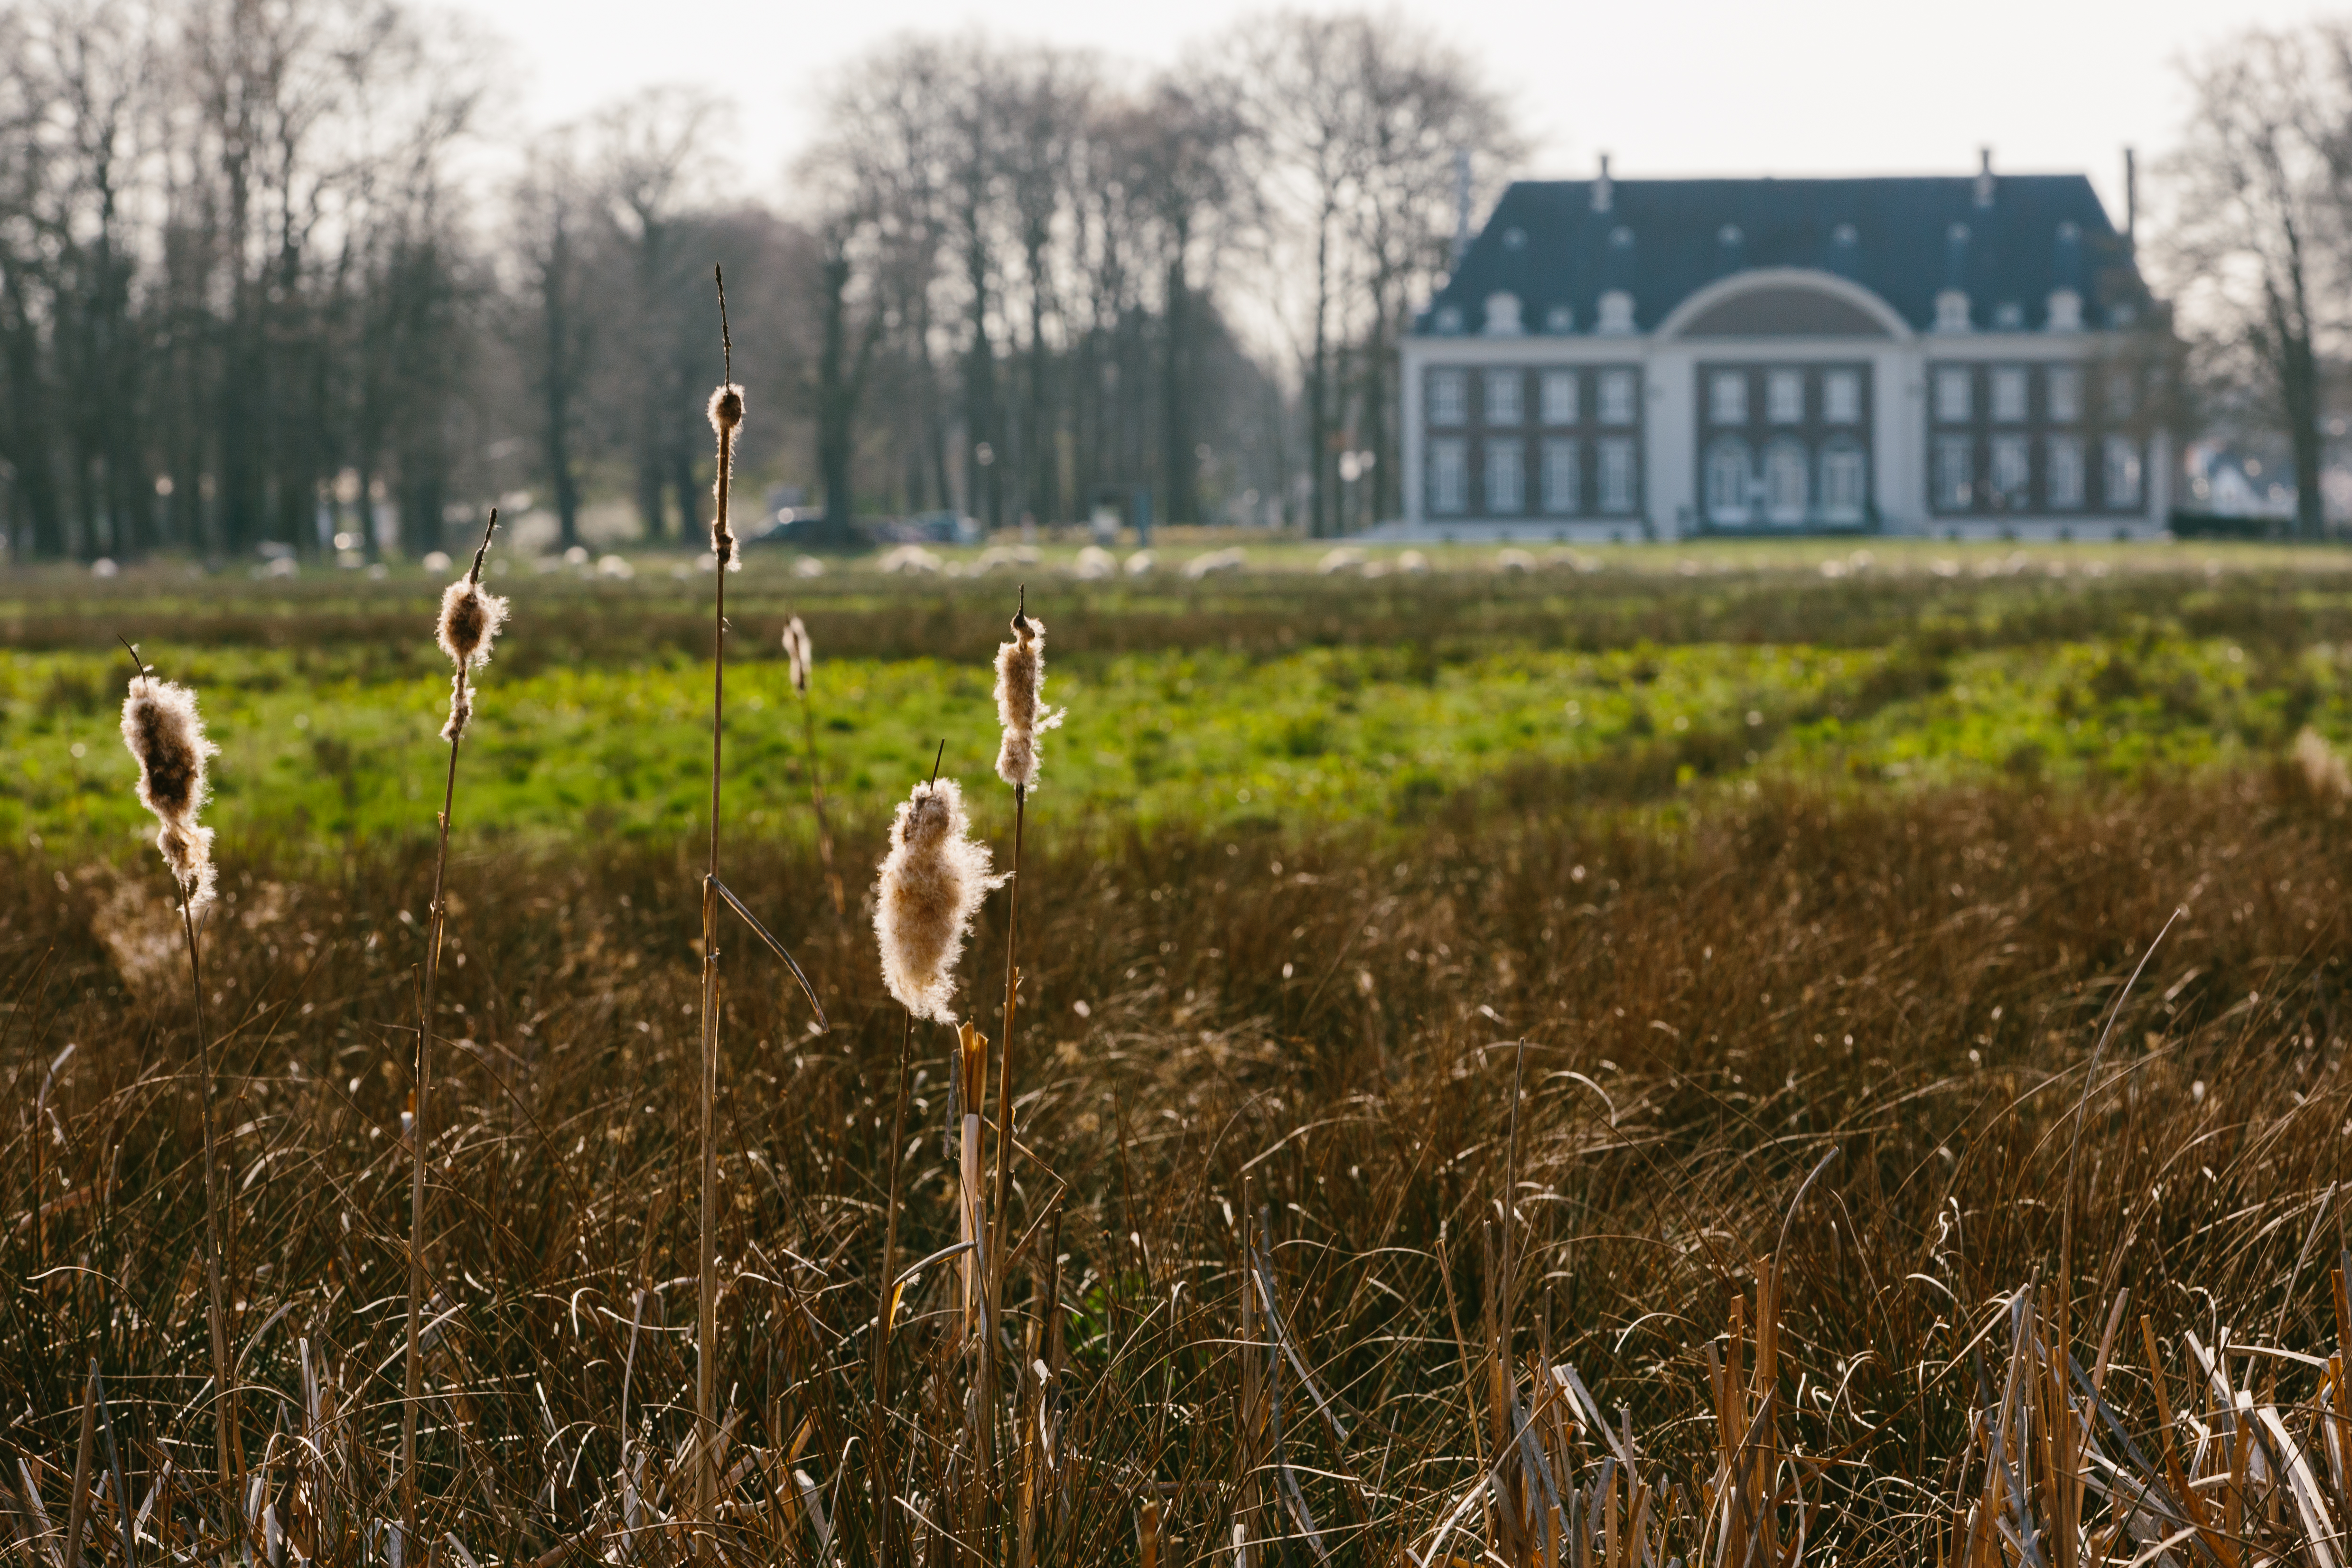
[1906, 239]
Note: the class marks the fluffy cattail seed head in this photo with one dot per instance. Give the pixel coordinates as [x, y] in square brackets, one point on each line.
[727, 418]
[470, 620]
[166, 738]
[1020, 702]
[797, 649]
[726, 410]
[932, 885]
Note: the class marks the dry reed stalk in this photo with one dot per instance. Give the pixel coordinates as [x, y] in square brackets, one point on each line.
[802, 655]
[167, 737]
[78, 1506]
[886, 1311]
[468, 627]
[726, 420]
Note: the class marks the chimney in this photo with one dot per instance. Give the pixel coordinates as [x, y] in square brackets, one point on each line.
[1604, 191]
[2131, 194]
[1984, 177]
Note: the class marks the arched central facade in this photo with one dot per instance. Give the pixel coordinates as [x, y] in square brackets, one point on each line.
[1784, 364]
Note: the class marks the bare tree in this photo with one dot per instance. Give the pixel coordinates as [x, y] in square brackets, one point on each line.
[658, 159]
[2258, 247]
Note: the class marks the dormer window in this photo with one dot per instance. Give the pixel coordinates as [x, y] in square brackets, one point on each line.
[1449, 320]
[1503, 315]
[1515, 239]
[1616, 312]
[2009, 316]
[1559, 318]
[1952, 311]
[2065, 310]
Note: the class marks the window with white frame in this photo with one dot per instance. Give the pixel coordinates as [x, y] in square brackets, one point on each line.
[2062, 394]
[1727, 397]
[1955, 471]
[1506, 477]
[1728, 480]
[1617, 398]
[1449, 397]
[1784, 397]
[1842, 398]
[1449, 476]
[1955, 395]
[2122, 474]
[1617, 475]
[2011, 469]
[2008, 393]
[2063, 474]
[1562, 483]
[1502, 391]
[1560, 397]
[1845, 481]
[1787, 485]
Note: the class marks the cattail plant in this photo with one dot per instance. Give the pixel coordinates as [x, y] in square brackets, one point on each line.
[930, 886]
[726, 412]
[803, 658]
[1021, 708]
[470, 624]
[166, 738]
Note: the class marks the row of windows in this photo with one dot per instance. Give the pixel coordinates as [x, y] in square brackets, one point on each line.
[2007, 482]
[1560, 396]
[1791, 485]
[2007, 391]
[1838, 401]
[1560, 479]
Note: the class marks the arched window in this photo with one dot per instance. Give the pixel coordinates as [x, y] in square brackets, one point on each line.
[1728, 478]
[1846, 482]
[1787, 485]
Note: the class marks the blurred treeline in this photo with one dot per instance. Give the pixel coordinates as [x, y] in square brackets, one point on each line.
[273, 272]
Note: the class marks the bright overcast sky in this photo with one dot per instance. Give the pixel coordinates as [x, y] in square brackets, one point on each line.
[1668, 87]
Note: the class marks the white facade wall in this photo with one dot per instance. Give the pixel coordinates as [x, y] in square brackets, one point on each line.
[1671, 431]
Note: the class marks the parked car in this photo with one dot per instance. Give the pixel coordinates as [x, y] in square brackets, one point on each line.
[929, 528]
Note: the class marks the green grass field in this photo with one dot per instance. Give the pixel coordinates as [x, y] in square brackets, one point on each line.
[1631, 677]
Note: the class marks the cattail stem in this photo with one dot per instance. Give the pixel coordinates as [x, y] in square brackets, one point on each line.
[706, 1465]
[215, 1237]
[997, 1249]
[436, 920]
[877, 1438]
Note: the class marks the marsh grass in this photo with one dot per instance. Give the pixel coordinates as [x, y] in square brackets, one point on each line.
[1514, 1134]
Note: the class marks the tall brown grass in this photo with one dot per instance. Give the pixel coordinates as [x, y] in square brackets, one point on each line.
[1478, 1233]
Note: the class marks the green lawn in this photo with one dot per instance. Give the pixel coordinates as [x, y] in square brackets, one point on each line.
[342, 744]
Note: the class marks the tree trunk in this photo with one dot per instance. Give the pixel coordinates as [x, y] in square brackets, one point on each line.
[1175, 396]
[836, 404]
[555, 284]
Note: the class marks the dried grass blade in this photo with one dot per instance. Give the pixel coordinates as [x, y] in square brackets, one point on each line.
[776, 947]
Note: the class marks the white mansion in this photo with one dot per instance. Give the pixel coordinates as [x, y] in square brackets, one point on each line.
[1622, 359]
